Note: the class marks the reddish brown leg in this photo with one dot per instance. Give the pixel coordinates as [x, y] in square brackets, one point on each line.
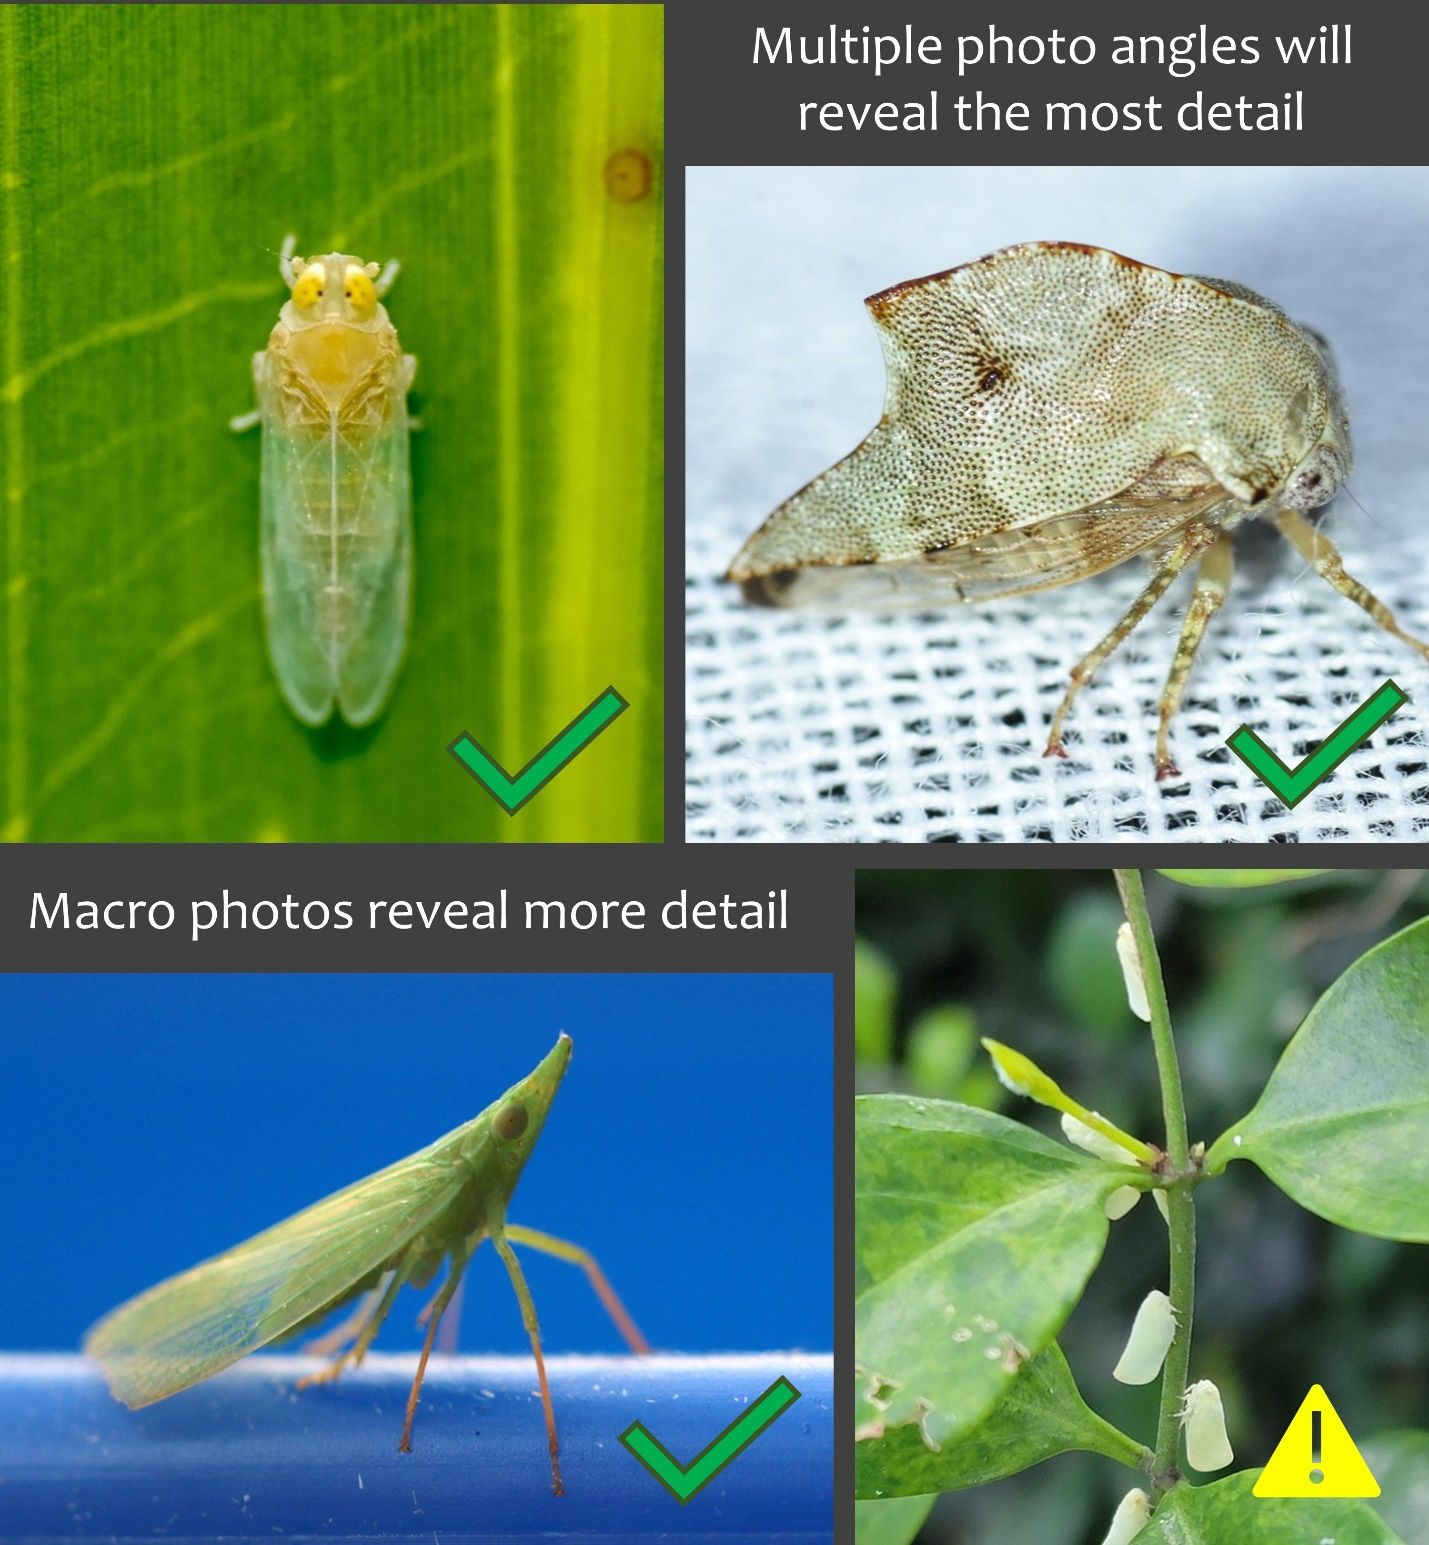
[549, 1244]
[533, 1330]
[434, 1318]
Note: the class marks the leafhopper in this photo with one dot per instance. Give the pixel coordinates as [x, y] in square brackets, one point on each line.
[367, 1242]
[336, 502]
[1052, 410]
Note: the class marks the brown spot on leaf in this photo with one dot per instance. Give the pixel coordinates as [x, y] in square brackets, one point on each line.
[628, 175]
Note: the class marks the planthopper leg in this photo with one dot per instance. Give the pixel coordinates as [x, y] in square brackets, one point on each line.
[434, 1318]
[566, 1251]
[533, 1330]
[1213, 580]
[1321, 554]
[254, 416]
[1195, 539]
[286, 261]
[366, 1334]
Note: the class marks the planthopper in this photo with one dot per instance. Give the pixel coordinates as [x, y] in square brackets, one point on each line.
[336, 502]
[364, 1242]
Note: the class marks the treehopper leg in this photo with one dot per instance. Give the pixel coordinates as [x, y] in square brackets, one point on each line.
[1321, 554]
[1213, 580]
[1196, 538]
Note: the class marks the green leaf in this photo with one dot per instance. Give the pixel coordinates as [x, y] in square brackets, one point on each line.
[154, 157]
[974, 1237]
[895, 1522]
[875, 998]
[1400, 1461]
[1226, 1513]
[942, 1043]
[1235, 879]
[1041, 1414]
[1082, 968]
[1343, 1125]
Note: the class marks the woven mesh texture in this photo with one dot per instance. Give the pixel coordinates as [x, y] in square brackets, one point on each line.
[809, 726]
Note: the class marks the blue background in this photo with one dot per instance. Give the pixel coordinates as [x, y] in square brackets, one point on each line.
[147, 1122]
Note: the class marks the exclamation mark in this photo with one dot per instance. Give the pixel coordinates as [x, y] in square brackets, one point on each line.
[1317, 1473]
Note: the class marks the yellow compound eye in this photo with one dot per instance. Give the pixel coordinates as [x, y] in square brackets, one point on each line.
[308, 290]
[360, 292]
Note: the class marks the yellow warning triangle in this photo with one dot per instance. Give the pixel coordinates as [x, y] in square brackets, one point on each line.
[1317, 1457]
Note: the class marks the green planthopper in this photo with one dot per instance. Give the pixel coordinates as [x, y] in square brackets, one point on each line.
[366, 1242]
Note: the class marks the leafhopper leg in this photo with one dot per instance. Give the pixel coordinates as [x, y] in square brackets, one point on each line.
[334, 1340]
[533, 1330]
[577, 1255]
[434, 1318]
[1213, 580]
[1196, 538]
[365, 1337]
[1321, 554]
[451, 1321]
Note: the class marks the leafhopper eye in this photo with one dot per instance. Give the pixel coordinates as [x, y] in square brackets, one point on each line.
[511, 1122]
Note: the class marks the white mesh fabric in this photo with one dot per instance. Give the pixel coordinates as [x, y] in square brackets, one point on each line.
[919, 727]
[915, 728]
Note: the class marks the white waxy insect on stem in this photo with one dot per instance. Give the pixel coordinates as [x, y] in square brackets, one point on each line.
[1121, 1201]
[1132, 1515]
[1152, 1332]
[336, 501]
[1132, 973]
[1203, 1419]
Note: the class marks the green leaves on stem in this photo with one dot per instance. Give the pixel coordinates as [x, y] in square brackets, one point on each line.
[1343, 1125]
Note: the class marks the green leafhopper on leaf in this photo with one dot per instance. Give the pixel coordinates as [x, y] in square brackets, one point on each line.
[336, 504]
[368, 1240]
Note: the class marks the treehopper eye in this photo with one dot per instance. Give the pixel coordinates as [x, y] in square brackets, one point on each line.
[1052, 410]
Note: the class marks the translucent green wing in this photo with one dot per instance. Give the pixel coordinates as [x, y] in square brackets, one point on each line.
[196, 1324]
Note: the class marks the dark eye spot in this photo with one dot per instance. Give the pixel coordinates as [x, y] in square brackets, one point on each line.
[989, 381]
[1311, 480]
[511, 1122]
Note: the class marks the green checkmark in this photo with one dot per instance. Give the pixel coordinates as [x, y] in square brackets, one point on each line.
[683, 1481]
[1293, 784]
[511, 793]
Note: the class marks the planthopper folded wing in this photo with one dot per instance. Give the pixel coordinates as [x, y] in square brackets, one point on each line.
[198, 1323]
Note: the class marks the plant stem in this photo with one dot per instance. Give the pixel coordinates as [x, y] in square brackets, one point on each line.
[1120, 1446]
[1180, 1206]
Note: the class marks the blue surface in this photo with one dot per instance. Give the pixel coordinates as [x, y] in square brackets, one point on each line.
[149, 1122]
[244, 1458]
